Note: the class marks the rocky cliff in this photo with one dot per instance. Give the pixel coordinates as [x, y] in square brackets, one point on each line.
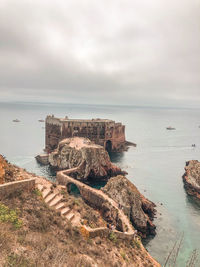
[139, 209]
[10, 172]
[191, 178]
[87, 160]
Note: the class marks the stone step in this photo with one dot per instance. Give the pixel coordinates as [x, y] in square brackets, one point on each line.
[60, 205]
[40, 187]
[46, 192]
[56, 200]
[75, 220]
[70, 216]
[65, 211]
[50, 197]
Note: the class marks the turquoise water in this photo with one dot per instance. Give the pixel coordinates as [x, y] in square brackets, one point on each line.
[155, 166]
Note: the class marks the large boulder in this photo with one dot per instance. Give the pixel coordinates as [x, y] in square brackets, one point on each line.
[191, 178]
[85, 159]
[139, 209]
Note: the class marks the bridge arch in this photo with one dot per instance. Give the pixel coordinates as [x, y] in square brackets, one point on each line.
[72, 188]
[108, 146]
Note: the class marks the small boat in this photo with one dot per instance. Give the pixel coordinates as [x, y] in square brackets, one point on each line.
[41, 120]
[170, 128]
[16, 120]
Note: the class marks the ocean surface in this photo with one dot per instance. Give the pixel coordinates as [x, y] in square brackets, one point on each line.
[155, 166]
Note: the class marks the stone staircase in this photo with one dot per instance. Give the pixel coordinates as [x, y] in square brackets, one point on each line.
[54, 199]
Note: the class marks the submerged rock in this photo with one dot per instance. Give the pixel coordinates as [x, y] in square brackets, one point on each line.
[86, 159]
[139, 209]
[191, 178]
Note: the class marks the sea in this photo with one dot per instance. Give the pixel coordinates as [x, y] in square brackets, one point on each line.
[155, 166]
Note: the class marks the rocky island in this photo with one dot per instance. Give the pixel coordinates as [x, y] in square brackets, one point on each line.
[191, 178]
[85, 159]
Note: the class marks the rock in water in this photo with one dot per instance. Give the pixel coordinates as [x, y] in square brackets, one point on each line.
[139, 209]
[87, 160]
[191, 178]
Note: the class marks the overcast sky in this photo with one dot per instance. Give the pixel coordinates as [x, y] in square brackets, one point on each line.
[135, 52]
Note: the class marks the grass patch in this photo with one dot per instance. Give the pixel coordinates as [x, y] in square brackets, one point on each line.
[136, 243]
[9, 215]
[15, 260]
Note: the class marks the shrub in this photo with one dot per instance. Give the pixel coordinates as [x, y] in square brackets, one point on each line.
[37, 192]
[76, 202]
[112, 237]
[123, 254]
[9, 215]
[84, 233]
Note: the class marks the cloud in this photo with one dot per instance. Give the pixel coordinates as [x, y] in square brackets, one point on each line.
[113, 52]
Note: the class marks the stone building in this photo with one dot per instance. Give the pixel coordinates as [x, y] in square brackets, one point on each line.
[106, 133]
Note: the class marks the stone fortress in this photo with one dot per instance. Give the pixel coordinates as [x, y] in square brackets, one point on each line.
[107, 133]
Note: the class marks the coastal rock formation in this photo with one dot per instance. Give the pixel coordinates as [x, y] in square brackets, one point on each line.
[191, 178]
[86, 159]
[139, 209]
[10, 173]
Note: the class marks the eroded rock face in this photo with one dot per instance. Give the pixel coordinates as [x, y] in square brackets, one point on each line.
[139, 209]
[3, 165]
[8, 172]
[191, 178]
[87, 160]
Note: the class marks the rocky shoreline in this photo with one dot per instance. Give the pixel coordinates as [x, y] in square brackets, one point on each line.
[140, 210]
[191, 178]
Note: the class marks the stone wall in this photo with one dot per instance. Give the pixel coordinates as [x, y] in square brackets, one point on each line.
[99, 200]
[10, 188]
[107, 133]
[105, 232]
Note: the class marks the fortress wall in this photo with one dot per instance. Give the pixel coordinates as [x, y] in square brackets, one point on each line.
[98, 131]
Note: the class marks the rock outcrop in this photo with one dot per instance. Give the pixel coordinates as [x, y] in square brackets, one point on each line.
[139, 209]
[9, 172]
[191, 178]
[85, 159]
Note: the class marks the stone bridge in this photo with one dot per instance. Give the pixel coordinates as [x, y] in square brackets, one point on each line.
[99, 200]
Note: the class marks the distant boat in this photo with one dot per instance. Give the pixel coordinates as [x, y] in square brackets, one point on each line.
[170, 128]
[41, 120]
[16, 120]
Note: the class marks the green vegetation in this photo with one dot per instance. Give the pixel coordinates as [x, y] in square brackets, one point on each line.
[123, 254]
[112, 237]
[9, 215]
[37, 192]
[14, 260]
[136, 243]
[76, 202]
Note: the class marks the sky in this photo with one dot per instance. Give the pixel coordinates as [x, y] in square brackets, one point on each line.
[127, 52]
